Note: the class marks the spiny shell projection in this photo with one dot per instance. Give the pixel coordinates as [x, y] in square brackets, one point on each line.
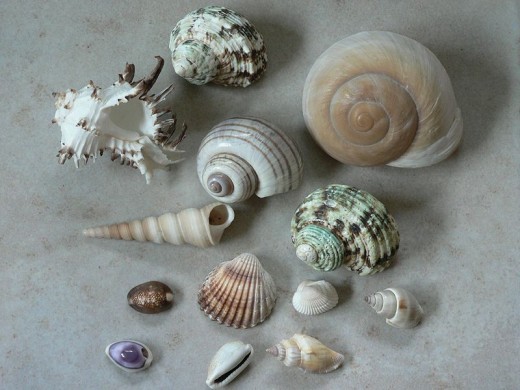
[229, 361]
[219, 45]
[199, 227]
[339, 225]
[242, 156]
[307, 353]
[400, 308]
[312, 298]
[150, 297]
[94, 120]
[129, 355]
[381, 98]
[238, 293]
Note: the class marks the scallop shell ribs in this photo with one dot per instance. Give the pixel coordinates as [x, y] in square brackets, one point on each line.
[238, 293]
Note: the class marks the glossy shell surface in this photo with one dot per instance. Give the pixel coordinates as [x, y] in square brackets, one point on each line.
[121, 120]
[400, 308]
[238, 293]
[150, 297]
[229, 361]
[199, 227]
[129, 355]
[314, 297]
[216, 44]
[242, 156]
[378, 97]
[307, 353]
[339, 225]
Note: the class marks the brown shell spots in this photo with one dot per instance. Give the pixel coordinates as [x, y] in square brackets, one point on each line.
[150, 297]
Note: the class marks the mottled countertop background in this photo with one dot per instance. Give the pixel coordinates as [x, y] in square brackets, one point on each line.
[63, 296]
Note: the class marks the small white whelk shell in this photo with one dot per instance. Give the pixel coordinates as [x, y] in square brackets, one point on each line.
[94, 120]
[400, 308]
[229, 361]
[312, 298]
[307, 353]
[199, 227]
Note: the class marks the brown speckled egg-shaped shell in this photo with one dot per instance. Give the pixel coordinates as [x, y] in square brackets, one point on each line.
[150, 297]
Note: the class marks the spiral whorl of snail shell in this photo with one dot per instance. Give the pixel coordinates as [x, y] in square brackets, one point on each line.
[219, 45]
[381, 98]
[339, 225]
[400, 308]
[199, 227]
[242, 156]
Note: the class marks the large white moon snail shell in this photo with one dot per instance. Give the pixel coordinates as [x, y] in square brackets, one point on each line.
[122, 120]
[216, 44]
[199, 227]
[242, 156]
[400, 308]
[378, 97]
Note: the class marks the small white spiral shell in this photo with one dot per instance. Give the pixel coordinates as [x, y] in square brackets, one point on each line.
[400, 308]
[199, 227]
[242, 156]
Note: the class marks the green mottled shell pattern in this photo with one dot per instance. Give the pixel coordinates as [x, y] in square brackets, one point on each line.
[216, 44]
[339, 225]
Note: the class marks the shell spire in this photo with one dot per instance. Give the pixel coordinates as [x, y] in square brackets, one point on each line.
[199, 227]
[400, 308]
[122, 120]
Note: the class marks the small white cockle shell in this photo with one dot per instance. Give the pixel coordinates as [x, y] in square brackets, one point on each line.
[312, 298]
[229, 361]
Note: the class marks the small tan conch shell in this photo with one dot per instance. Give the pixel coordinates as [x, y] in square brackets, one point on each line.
[229, 361]
[150, 297]
[121, 119]
[307, 353]
[216, 44]
[238, 293]
[400, 308]
[312, 298]
[199, 227]
[242, 156]
[378, 97]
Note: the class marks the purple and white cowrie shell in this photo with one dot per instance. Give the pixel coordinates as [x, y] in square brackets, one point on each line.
[129, 355]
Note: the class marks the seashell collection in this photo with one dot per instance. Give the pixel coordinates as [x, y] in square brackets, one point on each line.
[229, 361]
[128, 355]
[378, 97]
[238, 293]
[199, 227]
[150, 297]
[243, 156]
[312, 298]
[122, 120]
[216, 44]
[307, 353]
[400, 308]
[372, 98]
[339, 225]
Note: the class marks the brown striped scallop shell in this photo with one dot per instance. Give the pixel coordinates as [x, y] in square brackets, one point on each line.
[238, 293]
[242, 156]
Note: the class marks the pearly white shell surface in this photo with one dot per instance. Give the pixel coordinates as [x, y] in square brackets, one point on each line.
[229, 361]
[314, 297]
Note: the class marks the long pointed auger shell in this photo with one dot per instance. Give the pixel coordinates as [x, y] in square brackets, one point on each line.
[312, 298]
[229, 361]
[199, 227]
[122, 120]
[400, 308]
[307, 353]
[216, 44]
[238, 293]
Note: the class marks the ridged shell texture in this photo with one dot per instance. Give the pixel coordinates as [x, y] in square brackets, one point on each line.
[238, 293]
[219, 45]
[312, 298]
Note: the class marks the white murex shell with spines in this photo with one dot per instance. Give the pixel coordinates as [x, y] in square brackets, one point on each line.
[216, 44]
[229, 361]
[121, 119]
[199, 227]
[377, 97]
[400, 308]
[242, 156]
[314, 297]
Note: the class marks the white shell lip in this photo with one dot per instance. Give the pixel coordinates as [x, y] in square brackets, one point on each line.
[147, 363]
[229, 361]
